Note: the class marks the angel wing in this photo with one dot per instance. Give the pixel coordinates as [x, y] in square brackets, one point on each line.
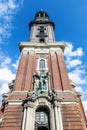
[37, 76]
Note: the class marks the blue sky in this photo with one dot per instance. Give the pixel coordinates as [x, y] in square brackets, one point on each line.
[70, 18]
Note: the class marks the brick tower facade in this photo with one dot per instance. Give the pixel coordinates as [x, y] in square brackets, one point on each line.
[42, 97]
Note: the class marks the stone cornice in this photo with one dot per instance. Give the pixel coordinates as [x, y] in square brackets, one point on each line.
[30, 45]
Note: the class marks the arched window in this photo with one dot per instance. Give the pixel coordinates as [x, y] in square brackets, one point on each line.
[41, 64]
[42, 119]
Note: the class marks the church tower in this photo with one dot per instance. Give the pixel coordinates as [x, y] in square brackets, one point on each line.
[42, 97]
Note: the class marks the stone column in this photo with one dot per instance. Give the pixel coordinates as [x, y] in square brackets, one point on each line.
[52, 120]
[27, 119]
[58, 118]
[49, 83]
[24, 119]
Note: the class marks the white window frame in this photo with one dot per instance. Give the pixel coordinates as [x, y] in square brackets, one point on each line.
[38, 61]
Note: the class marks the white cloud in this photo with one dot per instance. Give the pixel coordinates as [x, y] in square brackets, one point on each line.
[69, 52]
[11, 4]
[7, 6]
[76, 76]
[7, 10]
[74, 64]
[73, 56]
[79, 89]
[6, 75]
[6, 62]
[4, 88]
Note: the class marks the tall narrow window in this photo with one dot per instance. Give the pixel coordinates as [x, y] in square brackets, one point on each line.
[42, 119]
[41, 64]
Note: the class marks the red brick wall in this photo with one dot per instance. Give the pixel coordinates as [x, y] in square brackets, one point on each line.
[12, 118]
[59, 75]
[20, 73]
[55, 75]
[72, 118]
[24, 77]
[29, 73]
